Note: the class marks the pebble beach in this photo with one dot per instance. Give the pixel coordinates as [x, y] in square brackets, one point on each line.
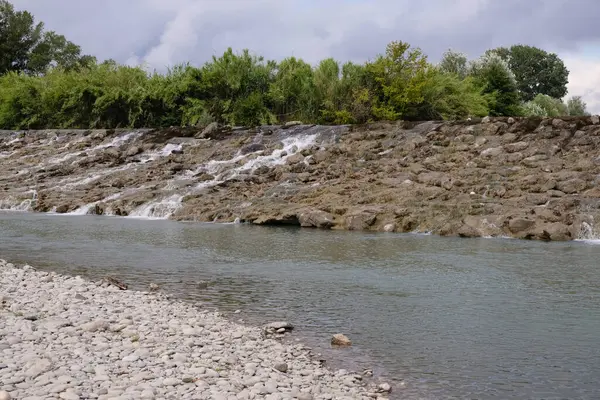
[64, 337]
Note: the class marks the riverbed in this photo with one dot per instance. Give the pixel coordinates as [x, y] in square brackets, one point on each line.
[449, 318]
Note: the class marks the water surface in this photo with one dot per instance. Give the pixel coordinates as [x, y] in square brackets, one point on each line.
[452, 318]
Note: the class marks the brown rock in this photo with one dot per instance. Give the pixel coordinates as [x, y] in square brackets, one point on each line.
[572, 186]
[316, 219]
[340, 340]
[295, 159]
[518, 225]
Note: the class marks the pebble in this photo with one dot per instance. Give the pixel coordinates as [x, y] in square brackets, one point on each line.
[133, 345]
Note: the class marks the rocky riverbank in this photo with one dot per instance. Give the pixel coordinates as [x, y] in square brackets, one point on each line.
[529, 178]
[68, 338]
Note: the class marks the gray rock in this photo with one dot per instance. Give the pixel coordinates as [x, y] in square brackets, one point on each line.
[282, 367]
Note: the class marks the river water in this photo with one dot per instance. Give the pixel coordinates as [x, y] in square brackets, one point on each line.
[450, 318]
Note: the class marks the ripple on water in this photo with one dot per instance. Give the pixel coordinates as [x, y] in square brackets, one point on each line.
[480, 318]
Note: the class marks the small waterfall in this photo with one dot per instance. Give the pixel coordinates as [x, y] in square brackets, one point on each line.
[86, 209]
[12, 204]
[158, 210]
[588, 232]
[222, 170]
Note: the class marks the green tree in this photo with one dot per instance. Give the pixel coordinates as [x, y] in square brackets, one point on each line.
[292, 91]
[499, 84]
[234, 87]
[455, 63]
[536, 71]
[576, 106]
[446, 96]
[398, 79]
[25, 46]
[546, 106]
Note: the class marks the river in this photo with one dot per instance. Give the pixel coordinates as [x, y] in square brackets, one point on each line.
[450, 318]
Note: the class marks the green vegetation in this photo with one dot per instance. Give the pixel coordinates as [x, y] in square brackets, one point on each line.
[46, 83]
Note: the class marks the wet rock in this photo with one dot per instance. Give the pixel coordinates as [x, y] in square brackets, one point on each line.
[384, 388]
[279, 325]
[340, 340]
[295, 159]
[252, 148]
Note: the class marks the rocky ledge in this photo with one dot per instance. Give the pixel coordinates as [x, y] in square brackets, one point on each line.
[68, 338]
[529, 178]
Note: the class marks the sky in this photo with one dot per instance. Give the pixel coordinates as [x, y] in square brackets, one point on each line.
[162, 33]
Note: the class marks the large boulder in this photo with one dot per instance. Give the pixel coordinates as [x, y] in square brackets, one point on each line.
[315, 219]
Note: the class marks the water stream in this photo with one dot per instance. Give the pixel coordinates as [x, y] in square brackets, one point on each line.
[451, 318]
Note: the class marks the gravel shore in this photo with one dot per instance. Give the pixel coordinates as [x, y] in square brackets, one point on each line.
[69, 338]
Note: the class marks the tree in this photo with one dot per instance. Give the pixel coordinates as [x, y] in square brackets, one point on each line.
[499, 84]
[536, 71]
[577, 106]
[398, 79]
[24, 46]
[446, 96]
[545, 106]
[455, 63]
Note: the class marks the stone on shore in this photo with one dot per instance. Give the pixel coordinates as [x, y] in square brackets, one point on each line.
[129, 345]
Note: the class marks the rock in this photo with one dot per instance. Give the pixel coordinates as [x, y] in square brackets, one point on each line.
[295, 159]
[595, 119]
[133, 151]
[279, 325]
[517, 225]
[384, 387]
[171, 382]
[282, 367]
[210, 130]
[94, 326]
[486, 120]
[4, 395]
[290, 124]
[572, 186]
[340, 340]
[153, 287]
[389, 227]
[360, 220]
[492, 152]
[316, 218]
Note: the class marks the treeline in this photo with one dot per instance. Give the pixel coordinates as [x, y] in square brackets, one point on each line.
[244, 89]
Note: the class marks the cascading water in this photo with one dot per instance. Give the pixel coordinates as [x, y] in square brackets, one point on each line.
[589, 233]
[222, 170]
[12, 204]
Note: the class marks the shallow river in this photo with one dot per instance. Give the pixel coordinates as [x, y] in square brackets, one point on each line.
[451, 318]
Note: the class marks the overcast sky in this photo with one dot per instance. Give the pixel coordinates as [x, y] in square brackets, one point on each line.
[166, 32]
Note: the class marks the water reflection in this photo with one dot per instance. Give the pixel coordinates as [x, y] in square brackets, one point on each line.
[465, 318]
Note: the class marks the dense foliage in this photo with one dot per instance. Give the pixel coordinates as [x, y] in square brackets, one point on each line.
[45, 83]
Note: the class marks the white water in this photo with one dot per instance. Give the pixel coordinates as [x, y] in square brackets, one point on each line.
[12, 204]
[589, 233]
[85, 209]
[162, 209]
[222, 170]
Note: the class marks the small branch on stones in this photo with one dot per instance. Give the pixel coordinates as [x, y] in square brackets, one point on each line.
[115, 282]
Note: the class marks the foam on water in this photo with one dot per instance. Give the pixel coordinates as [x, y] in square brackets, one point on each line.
[12, 204]
[162, 209]
[588, 233]
[85, 209]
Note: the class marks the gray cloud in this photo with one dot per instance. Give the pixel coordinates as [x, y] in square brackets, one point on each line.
[162, 33]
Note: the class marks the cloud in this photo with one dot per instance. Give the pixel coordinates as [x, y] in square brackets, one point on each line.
[163, 33]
